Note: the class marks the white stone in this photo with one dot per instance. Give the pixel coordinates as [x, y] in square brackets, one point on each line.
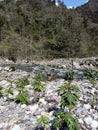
[88, 120]
[23, 106]
[28, 86]
[5, 83]
[42, 100]
[87, 106]
[80, 121]
[1, 68]
[34, 108]
[76, 65]
[16, 127]
[7, 68]
[94, 124]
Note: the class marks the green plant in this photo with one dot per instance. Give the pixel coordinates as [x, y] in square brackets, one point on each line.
[69, 95]
[38, 86]
[44, 121]
[69, 75]
[23, 82]
[63, 119]
[8, 92]
[22, 96]
[90, 74]
[1, 92]
[93, 103]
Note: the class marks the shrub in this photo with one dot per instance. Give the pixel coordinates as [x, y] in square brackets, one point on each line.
[63, 119]
[69, 95]
[1, 92]
[22, 96]
[23, 82]
[38, 86]
[69, 75]
[44, 121]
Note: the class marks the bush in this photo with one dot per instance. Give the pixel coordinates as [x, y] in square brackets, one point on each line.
[69, 95]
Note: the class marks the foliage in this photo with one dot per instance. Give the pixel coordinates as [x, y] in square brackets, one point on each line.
[63, 119]
[69, 75]
[38, 86]
[44, 121]
[91, 76]
[22, 96]
[1, 92]
[69, 95]
[22, 82]
[8, 91]
[38, 29]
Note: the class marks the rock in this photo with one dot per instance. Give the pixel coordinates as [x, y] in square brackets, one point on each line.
[1, 68]
[88, 120]
[96, 107]
[80, 121]
[87, 106]
[37, 112]
[16, 127]
[42, 100]
[23, 106]
[52, 98]
[5, 83]
[76, 65]
[94, 124]
[33, 108]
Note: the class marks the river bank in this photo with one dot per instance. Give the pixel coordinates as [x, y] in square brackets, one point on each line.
[16, 116]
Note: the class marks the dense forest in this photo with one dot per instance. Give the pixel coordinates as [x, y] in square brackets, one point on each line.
[34, 29]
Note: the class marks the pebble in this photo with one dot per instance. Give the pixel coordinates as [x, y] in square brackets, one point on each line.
[94, 124]
[16, 127]
[88, 120]
[87, 106]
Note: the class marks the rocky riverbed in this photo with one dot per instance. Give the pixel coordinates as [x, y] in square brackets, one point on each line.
[16, 116]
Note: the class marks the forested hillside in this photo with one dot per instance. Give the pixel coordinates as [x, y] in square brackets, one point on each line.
[40, 29]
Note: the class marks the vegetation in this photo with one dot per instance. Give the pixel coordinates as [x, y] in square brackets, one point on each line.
[63, 120]
[91, 75]
[22, 96]
[69, 95]
[43, 121]
[38, 86]
[40, 29]
[22, 82]
[69, 75]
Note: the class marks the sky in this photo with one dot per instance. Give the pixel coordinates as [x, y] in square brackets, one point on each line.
[74, 3]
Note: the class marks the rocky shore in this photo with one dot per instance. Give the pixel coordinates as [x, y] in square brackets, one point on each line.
[16, 116]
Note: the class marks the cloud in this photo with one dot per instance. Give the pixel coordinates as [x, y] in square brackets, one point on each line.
[69, 7]
[57, 4]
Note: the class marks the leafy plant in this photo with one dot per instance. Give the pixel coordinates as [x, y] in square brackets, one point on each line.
[63, 119]
[69, 95]
[1, 92]
[93, 103]
[44, 121]
[22, 96]
[69, 75]
[8, 92]
[23, 82]
[38, 83]
[90, 74]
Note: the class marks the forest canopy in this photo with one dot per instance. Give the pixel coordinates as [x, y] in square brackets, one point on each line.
[40, 29]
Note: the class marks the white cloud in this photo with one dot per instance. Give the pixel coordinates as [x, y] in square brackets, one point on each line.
[57, 4]
[69, 7]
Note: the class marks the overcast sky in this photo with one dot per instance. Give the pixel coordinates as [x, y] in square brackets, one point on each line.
[74, 3]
